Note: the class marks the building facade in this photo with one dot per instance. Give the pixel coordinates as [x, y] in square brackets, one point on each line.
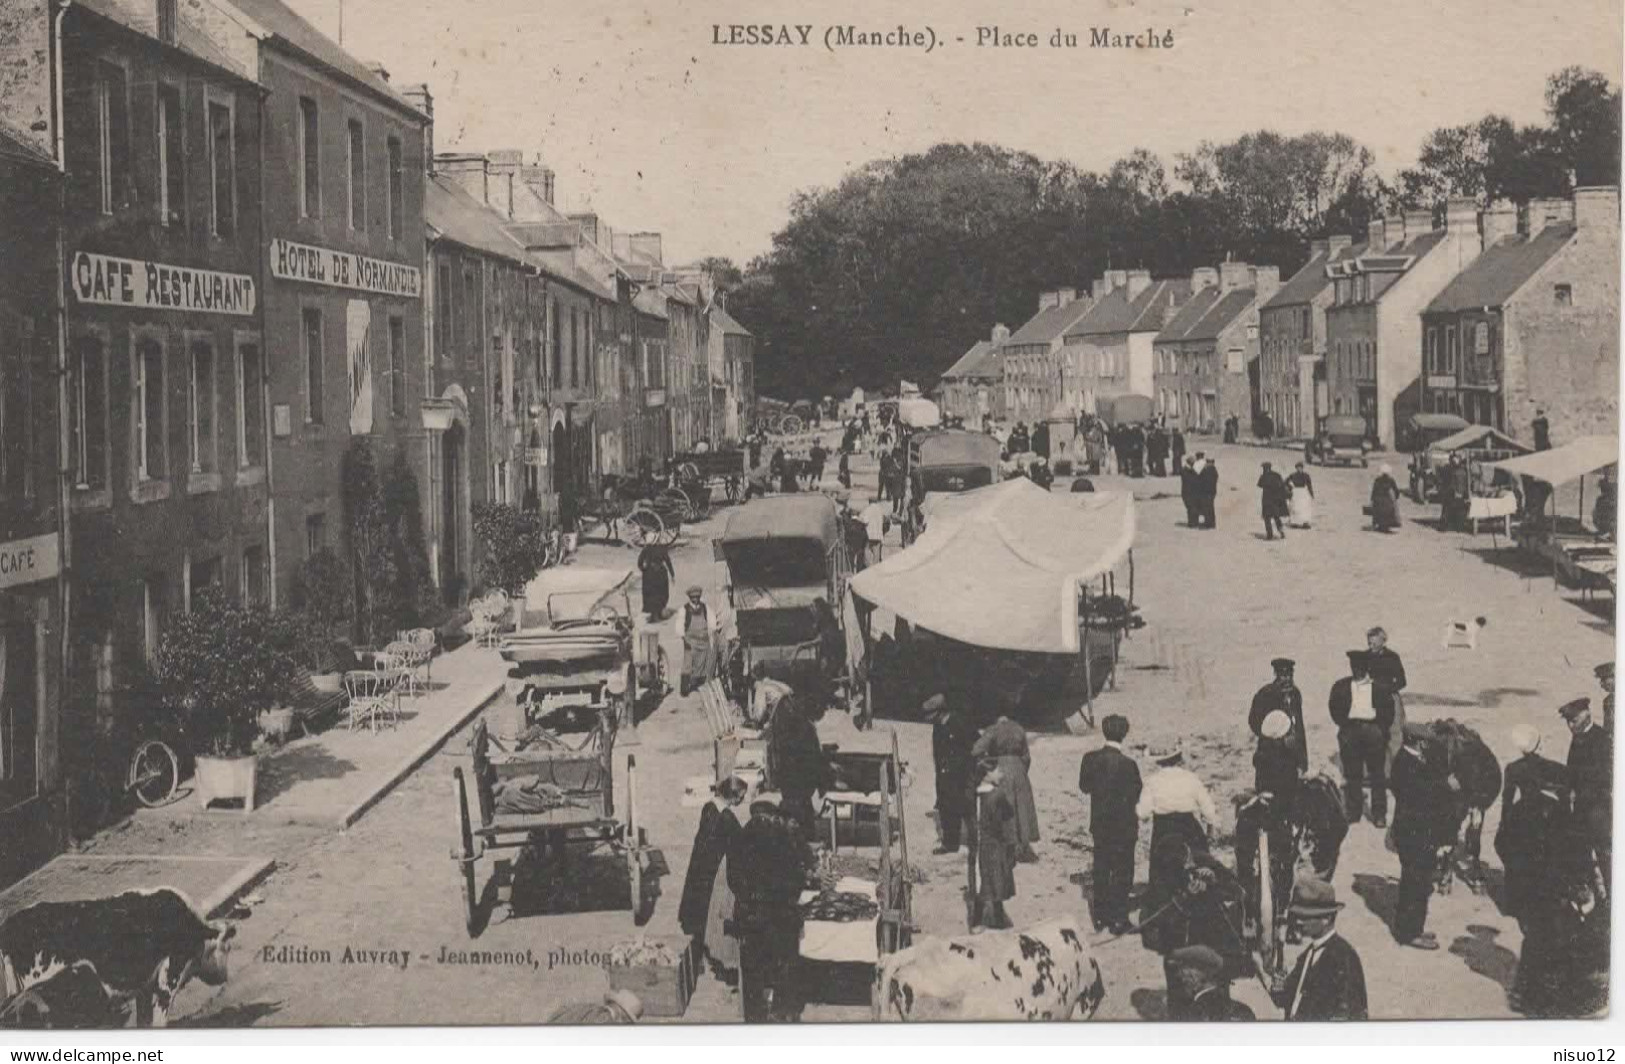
[972, 388]
[1533, 324]
[739, 356]
[1109, 351]
[1374, 325]
[1030, 359]
[1206, 356]
[1292, 341]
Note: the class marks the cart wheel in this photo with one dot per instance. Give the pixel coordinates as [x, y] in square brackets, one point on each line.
[633, 840]
[673, 500]
[670, 530]
[643, 526]
[465, 855]
[731, 486]
[154, 773]
[791, 425]
[688, 472]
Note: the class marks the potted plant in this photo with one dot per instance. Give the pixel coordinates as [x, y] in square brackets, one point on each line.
[322, 599]
[223, 664]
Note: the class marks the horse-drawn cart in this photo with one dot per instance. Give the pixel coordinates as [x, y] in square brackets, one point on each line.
[709, 470]
[634, 512]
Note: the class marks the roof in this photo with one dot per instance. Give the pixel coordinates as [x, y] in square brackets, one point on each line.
[1497, 274]
[288, 28]
[1568, 462]
[571, 592]
[457, 216]
[650, 301]
[188, 39]
[977, 362]
[561, 265]
[1432, 422]
[1206, 314]
[1189, 315]
[1116, 313]
[1017, 551]
[1047, 325]
[725, 321]
[803, 516]
[1310, 281]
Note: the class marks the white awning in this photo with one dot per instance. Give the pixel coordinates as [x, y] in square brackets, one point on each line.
[1569, 462]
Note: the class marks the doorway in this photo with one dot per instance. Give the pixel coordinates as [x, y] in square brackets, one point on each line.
[453, 578]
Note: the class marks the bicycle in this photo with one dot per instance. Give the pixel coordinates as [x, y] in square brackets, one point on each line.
[136, 759]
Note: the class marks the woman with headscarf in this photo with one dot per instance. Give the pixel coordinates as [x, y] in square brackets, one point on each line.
[654, 562]
[1534, 801]
[1385, 500]
[719, 823]
[1005, 741]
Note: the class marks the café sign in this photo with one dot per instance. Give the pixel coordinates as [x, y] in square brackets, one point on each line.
[111, 281]
[343, 269]
[23, 561]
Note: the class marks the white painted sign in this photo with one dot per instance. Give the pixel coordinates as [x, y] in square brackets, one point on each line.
[115, 282]
[23, 561]
[344, 269]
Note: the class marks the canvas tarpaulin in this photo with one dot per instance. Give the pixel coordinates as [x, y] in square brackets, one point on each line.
[1569, 462]
[1001, 566]
[569, 593]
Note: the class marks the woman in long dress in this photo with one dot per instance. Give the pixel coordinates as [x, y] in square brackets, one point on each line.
[995, 841]
[706, 879]
[1385, 500]
[654, 562]
[1302, 513]
[1005, 741]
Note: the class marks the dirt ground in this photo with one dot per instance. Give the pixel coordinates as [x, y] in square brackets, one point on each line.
[1218, 605]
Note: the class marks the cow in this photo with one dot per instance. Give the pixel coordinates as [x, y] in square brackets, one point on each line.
[142, 946]
[73, 998]
[1043, 973]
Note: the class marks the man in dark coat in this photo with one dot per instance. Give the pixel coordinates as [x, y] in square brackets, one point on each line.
[815, 464]
[1188, 491]
[767, 863]
[1200, 970]
[952, 736]
[795, 758]
[1328, 981]
[1534, 808]
[1177, 448]
[1424, 821]
[1156, 452]
[1207, 482]
[1542, 430]
[1591, 782]
[1111, 781]
[1281, 694]
[1363, 722]
[1272, 502]
[1136, 450]
[1388, 676]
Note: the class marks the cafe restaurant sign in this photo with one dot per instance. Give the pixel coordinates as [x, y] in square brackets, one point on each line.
[116, 282]
[23, 561]
[343, 269]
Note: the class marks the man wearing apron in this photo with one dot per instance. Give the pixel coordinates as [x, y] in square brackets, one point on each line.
[697, 628]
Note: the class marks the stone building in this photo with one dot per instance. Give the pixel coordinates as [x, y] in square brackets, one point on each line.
[1030, 358]
[1533, 324]
[1108, 352]
[1374, 325]
[1206, 357]
[739, 354]
[1292, 341]
[972, 388]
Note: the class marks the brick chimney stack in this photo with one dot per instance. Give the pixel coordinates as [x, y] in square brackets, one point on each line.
[540, 180]
[1203, 277]
[1335, 244]
[1046, 300]
[1596, 210]
[1318, 248]
[1138, 281]
[1117, 279]
[1393, 231]
[1001, 333]
[1500, 221]
[1266, 281]
[1234, 275]
[504, 170]
[418, 96]
[1417, 223]
[378, 70]
[469, 170]
[1543, 212]
[1376, 237]
[1066, 296]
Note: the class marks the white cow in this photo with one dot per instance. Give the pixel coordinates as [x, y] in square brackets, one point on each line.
[1043, 973]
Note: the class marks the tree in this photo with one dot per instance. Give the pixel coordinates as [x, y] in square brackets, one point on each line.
[1584, 111]
[724, 274]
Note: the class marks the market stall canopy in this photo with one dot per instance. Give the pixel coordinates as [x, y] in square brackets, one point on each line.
[1001, 566]
[918, 413]
[1569, 462]
[1479, 438]
[571, 593]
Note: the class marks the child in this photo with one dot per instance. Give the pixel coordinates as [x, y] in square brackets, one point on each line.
[993, 849]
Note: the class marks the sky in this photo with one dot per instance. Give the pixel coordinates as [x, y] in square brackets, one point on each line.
[657, 128]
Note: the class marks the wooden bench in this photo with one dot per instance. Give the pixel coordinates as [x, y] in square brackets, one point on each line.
[313, 709]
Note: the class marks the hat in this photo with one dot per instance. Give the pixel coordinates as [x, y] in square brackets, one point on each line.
[1570, 710]
[1314, 897]
[627, 1002]
[1169, 752]
[1386, 469]
[1203, 959]
[1359, 659]
[1283, 664]
[935, 704]
[1277, 725]
[1525, 739]
[694, 589]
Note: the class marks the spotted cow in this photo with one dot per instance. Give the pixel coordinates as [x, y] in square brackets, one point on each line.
[73, 998]
[141, 946]
[1043, 973]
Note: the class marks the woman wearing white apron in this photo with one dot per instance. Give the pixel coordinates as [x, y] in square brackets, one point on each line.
[1301, 512]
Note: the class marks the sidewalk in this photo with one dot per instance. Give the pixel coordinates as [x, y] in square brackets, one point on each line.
[332, 778]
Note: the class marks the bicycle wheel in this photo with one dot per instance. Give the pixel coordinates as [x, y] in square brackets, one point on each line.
[154, 773]
[643, 526]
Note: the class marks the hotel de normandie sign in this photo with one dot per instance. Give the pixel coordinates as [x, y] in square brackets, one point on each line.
[343, 269]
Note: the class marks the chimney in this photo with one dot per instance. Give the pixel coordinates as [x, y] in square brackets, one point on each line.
[589, 226]
[418, 96]
[1233, 275]
[468, 170]
[1266, 281]
[1203, 277]
[1393, 231]
[1543, 212]
[1046, 300]
[1066, 296]
[378, 70]
[1335, 244]
[1117, 279]
[1417, 223]
[1001, 333]
[1461, 215]
[1318, 248]
[1500, 220]
[504, 168]
[620, 245]
[1138, 281]
[646, 246]
[1375, 244]
[1100, 289]
[540, 180]
[1596, 209]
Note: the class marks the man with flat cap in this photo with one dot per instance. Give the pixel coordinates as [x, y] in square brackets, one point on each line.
[1363, 720]
[952, 737]
[1591, 781]
[698, 627]
[1200, 971]
[1328, 981]
[1282, 694]
[1110, 780]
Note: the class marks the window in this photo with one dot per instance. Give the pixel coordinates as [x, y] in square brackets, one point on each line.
[1432, 350]
[250, 407]
[222, 169]
[1450, 349]
[201, 409]
[575, 348]
[1563, 295]
[315, 534]
[171, 156]
[397, 367]
[1252, 331]
[310, 155]
[89, 414]
[358, 177]
[113, 129]
[444, 333]
[205, 574]
[469, 321]
[586, 319]
[1481, 338]
[314, 396]
[396, 189]
[153, 607]
[147, 410]
[19, 712]
[1236, 359]
[16, 423]
[252, 579]
[558, 348]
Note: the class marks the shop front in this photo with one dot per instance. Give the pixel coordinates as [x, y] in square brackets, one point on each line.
[32, 813]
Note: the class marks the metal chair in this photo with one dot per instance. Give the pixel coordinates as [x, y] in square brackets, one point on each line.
[404, 657]
[425, 640]
[372, 696]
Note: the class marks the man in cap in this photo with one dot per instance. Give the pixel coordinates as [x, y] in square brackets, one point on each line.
[1272, 502]
[1282, 694]
[1207, 483]
[1591, 782]
[1425, 803]
[1328, 981]
[698, 627]
[1363, 722]
[1200, 972]
[1534, 800]
[952, 736]
[766, 865]
[1110, 780]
